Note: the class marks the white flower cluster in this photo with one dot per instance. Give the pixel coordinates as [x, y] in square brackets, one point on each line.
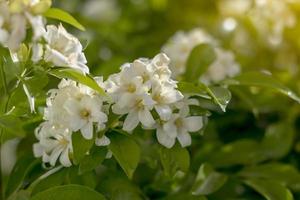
[144, 89]
[52, 44]
[15, 16]
[262, 16]
[269, 17]
[72, 108]
[61, 49]
[179, 47]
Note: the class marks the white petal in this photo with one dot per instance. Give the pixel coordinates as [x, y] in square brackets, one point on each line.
[38, 150]
[54, 155]
[164, 111]
[145, 117]
[193, 124]
[104, 141]
[72, 106]
[170, 128]
[118, 110]
[164, 139]
[64, 158]
[131, 121]
[184, 138]
[87, 131]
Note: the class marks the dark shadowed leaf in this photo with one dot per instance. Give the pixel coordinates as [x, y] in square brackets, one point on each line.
[270, 189]
[74, 192]
[174, 159]
[262, 80]
[91, 161]
[208, 181]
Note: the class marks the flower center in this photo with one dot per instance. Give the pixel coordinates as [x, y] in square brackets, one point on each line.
[85, 113]
[178, 123]
[63, 141]
[131, 88]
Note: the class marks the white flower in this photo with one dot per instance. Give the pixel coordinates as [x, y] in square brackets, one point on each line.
[103, 141]
[54, 143]
[180, 46]
[84, 113]
[12, 27]
[141, 86]
[262, 16]
[61, 49]
[76, 107]
[178, 127]
[223, 67]
[164, 96]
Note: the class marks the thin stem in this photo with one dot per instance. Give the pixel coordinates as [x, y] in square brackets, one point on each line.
[3, 78]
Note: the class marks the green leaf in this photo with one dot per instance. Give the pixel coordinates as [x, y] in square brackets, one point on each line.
[78, 77]
[262, 80]
[20, 195]
[21, 169]
[208, 181]
[174, 159]
[286, 174]
[219, 95]
[74, 192]
[61, 15]
[198, 61]
[53, 180]
[12, 125]
[278, 140]
[243, 152]
[80, 146]
[193, 89]
[184, 196]
[126, 152]
[88, 179]
[90, 162]
[270, 189]
[117, 187]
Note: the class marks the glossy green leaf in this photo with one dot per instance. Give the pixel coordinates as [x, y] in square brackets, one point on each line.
[126, 152]
[262, 80]
[270, 189]
[56, 13]
[74, 192]
[91, 161]
[193, 89]
[286, 174]
[78, 77]
[174, 159]
[198, 61]
[81, 146]
[219, 95]
[208, 181]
